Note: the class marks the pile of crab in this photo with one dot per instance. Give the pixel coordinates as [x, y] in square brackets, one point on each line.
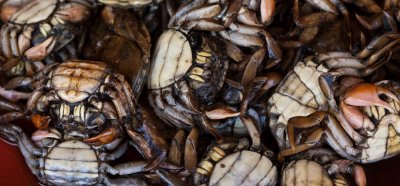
[200, 92]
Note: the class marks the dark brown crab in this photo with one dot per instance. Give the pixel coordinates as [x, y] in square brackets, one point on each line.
[83, 101]
[123, 42]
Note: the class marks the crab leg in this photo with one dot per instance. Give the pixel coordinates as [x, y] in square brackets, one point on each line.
[124, 168]
[320, 118]
[207, 12]
[311, 20]
[8, 106]
[184, 9]
[115, 154]
[11, 116]
[377, 43]
[247, 17]
[369, 5]
[147, 139]
[310, 142]
[19, 81]
[325, 5]
[13, 95]
[326, 84]
[177, 148]
[253, 132]
[242, 39]
[124, 181]
[274, 52]
[28, 150]
[190, 150]
[251, 68]
[169, 179]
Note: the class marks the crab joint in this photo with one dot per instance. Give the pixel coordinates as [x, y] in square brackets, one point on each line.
[40, 122]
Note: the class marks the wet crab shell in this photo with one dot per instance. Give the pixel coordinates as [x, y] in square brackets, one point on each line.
[35, 12]
[244, 168]
[75, 80]
[306, 172]
[298, 94]
[172, 59]
[71, 159]
[127, 3]
[384, 141]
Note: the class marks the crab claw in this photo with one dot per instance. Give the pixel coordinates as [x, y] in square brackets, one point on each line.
[359, 175]
[40, 122]
[363, 94]
[42, 134]
[104, 137]
[366, 94]
[221, 113]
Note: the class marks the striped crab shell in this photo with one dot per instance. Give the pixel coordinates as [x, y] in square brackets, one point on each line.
[128, 3]
[74, 80]
[244, 168]
[298, 94]
[71, 159]
[306, 172]
[173, 59]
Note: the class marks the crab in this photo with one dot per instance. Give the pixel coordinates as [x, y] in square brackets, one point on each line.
[301, 92]
[200, 67]
[235, 21]
[231, 163]
[119, 39]
[386, 17]
[20, 85]
[89, 102]
[321, 167]
[361, 108]
[30, 40]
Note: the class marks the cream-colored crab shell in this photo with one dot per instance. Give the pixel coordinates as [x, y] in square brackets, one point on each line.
[305, 172]
[172, 59]
[34, 12]
[126, 3]
[75, 80]
[72, 159]
[244, 168]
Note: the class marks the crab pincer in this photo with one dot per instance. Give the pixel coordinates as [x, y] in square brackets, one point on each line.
[361, 95]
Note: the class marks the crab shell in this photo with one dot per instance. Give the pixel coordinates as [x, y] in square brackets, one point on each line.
[306, 172]
[244, 168]
[74, 80]
[128, 3]
[71, 159]
[170, 63]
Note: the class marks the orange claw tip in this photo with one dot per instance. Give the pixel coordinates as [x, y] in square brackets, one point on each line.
[221, 113]
[104, 137]
[40, 122]
[41, 134]
[267, 8]
[367, 94]
[359, 176]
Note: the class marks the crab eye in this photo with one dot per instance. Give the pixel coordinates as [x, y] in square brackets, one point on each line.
[95, 120]
[195, 40]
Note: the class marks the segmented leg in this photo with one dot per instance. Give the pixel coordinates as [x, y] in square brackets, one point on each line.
[121, 149]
